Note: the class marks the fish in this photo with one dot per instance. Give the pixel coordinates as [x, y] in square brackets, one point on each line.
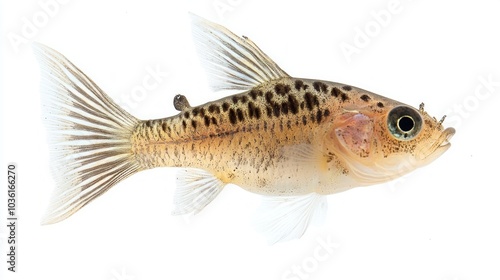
[294, 141]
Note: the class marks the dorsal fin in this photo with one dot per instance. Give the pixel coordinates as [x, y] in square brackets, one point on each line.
[231, 62]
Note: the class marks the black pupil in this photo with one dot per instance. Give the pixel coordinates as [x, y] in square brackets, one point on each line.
[406, 124]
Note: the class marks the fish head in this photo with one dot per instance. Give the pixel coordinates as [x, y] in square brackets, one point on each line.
[379, 144]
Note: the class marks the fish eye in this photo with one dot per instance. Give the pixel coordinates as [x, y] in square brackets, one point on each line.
[404, 122]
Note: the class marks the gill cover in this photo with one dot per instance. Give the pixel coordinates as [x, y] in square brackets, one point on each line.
[354, 132]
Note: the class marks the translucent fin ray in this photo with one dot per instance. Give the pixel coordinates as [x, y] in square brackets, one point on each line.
[283, 218]
[89, 135]
[196, 188]
[231, 62]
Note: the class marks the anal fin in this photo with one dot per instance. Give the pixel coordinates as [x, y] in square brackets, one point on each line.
[283, 218]
[196, 188]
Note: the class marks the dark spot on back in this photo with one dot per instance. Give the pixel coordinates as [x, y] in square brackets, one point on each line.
[269, 111]
[304, 120]
[284, 107]
[206, 119]
[196, 111]
[344, 97]
[251, 109]
[316, 86]
[365, 97]
[184, 124]
[254, 93]
[293, 103]
[214, 120]
[225, 106]
[298, 84]
[324, 87]
[380, 105]
[164, 126]
[214, 109]
[232, 116]
[244, 99]
[240, 114]
[308, 100]
[149, 123]
[269, 97]
[347, 88]
[257, 113]
[326, 113]
[276, 109]
[235, 99]
[336, 92]
[319, 86]
[282, 89]
[319, 116]
[194, 124]
[202, 112]
[311, 100]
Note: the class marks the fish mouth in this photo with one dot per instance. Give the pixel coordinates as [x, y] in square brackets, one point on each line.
[442, 144]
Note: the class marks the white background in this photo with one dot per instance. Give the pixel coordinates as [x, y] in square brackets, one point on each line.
[440, 222]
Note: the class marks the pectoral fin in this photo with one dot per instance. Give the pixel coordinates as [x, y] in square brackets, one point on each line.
[283, 218]
[307, 155]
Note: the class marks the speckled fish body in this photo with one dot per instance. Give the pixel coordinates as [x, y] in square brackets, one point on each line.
[292, 140]
[254, 139]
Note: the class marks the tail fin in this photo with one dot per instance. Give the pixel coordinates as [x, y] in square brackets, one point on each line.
[89, 136]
